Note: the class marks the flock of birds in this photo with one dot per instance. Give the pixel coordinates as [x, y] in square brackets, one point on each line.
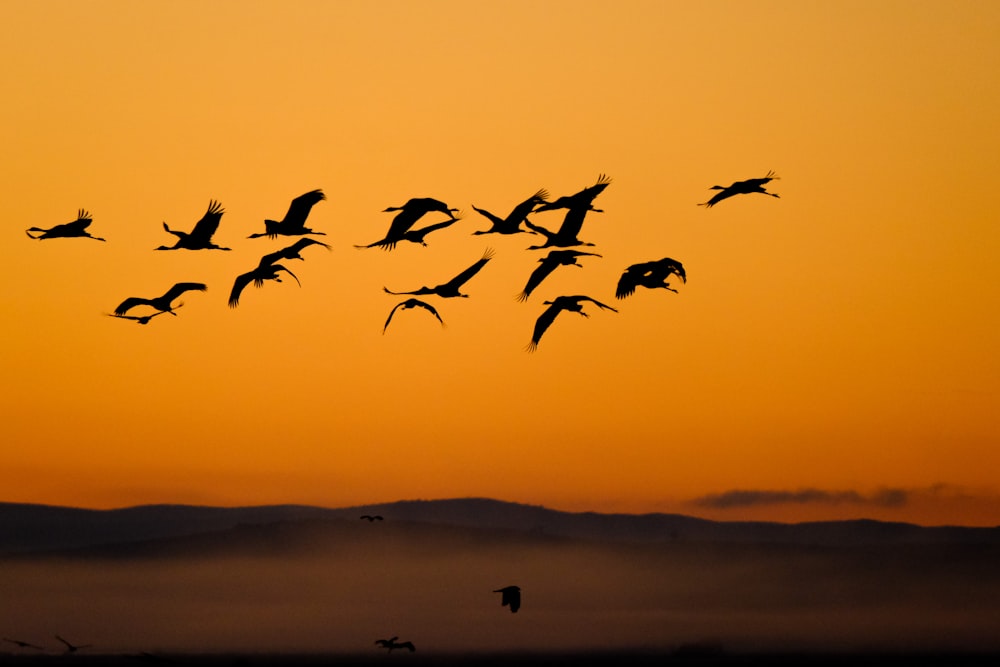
[562, 243]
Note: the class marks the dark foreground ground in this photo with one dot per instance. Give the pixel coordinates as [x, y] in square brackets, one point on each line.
[698, 657]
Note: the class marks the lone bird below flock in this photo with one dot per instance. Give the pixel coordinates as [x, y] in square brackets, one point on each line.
[746, 187]
[550, 263]
[294, 222]
[412, 303]
[510, 596]
[200, 238]
[75, 229]
[452, 287]
[651, 275]
[161, 303]
[559, 304]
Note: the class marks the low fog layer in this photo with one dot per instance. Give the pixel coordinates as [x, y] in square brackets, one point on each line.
[339, 585]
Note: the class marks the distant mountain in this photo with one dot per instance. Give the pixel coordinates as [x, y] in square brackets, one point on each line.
[26, 528]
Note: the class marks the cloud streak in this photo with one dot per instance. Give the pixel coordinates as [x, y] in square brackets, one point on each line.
[756, 497]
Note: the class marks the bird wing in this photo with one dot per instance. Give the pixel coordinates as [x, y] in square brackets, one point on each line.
[128, 303]
[428, 307]
[386, 326]
[542, 323]
[209, 223]
[627, 283]
[725, 193]
[180, 288]
[602, 305]
[300, 207]
[279, 267]
[547, 265]
[464, 276]
[587, 195]
[496, 220]
[241, 281]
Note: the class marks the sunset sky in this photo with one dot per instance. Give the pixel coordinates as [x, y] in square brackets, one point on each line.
[835, 352]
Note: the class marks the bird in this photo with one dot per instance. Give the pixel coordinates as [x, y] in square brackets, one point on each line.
[746, 187]
[548, 264]
[291, 252]
[161, 303]
[649, 274]
[72, 648]
[22, 644]
[510, 597]
[452, 287]
[391, 643]
[257, 275]
[560, 303]
[412, 303]
[577, 206]
[371, 517]
[200, 238]
[512, 223]
[75, 229]
[406, 216]
[143, 319]
[294, 222]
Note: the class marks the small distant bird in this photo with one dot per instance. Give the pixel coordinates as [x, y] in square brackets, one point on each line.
[75, 229]
[257, 276]
[548, 264]
[452, 287]
[412, 303]
[391, 643]
[407, 215]
[72, 648]
[510, 597]
[371, 517]
[21, 644]
[200, 238]
[741, 188]
[144, 319]
[512, 223]
[649, 274]
[294, 222]
[560, 303]
[577, 206]
[161, 303]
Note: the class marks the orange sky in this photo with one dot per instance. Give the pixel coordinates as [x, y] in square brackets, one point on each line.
[830, 345]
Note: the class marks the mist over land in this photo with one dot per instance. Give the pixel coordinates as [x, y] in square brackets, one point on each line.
[304, 580]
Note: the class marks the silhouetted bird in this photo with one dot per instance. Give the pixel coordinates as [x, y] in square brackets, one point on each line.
[512, 223]
[649, 274]
[559, 304]
[294, 222]
[510, 597]
[391, 643]
[412, 303]
[548, 264]
[257, 276]
[200, 237]
[161, 303]
[577, 206]
[143, 319]
[407, 216]
[21, 644]
[72, 648]
[452, 287]
[741, 188]
[371, 517]
[291, 252]
[75, 229]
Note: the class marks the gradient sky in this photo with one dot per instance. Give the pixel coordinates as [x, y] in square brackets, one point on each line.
[833, 354]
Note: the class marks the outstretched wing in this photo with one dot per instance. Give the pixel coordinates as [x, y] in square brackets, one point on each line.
[129, 303]
[300, 207]
[547, 265]
[496, 220]
[602, 305]
[386, 326]
[209, 223]
[180, 288]
[629, 281]
[428, 307]
[542, 324]
[241, 281]
[464, 276]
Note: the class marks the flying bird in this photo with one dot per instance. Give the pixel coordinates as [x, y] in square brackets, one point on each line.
[557, 305]
[257, 276]
[452, 287]
[510, 596]
[144, 319]
[412, 303]
[75, 229]
[294, 222]
[512, 223]
[391, 643]
[548, 264]
[577, 206]
[649, 274]
[401, 228]
[21, 644]
[72, 648]
[371, 517]
[746, 187]
[291, 252]
[161, 303]
[200, 238]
